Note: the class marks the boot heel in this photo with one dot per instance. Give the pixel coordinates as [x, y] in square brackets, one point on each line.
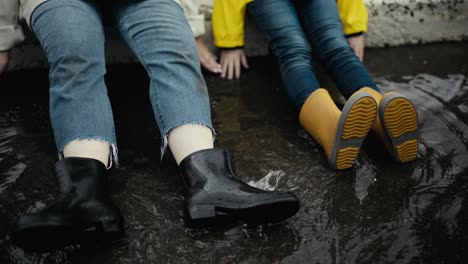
[103, 230]
[110, 226]
[201, 211]
[104, 225]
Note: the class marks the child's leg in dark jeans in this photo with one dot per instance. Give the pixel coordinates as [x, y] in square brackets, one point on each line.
[397, 121]
[322, 23]
[279, 22]
[339, 133]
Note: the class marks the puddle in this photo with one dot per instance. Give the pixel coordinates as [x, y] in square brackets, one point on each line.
[378, 212]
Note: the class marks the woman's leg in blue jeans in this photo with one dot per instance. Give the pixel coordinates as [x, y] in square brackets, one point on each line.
[322, 23]
[279, 21]
[72, 36]
[159, 34]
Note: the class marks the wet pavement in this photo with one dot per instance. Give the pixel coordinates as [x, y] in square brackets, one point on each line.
[377, 212]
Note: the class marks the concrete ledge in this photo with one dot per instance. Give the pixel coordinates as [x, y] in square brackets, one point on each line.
[391, 23]
[399, 22]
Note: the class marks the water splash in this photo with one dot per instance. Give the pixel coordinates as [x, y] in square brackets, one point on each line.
[269, 182]
[365, 176]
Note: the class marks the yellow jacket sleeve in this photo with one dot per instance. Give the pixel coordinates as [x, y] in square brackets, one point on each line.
[228, 22]
[353, 14]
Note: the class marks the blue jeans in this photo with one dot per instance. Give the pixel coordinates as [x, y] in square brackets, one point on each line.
[71, 33]
[287, 26]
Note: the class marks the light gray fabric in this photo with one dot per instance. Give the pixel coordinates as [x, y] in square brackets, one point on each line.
[12, 11]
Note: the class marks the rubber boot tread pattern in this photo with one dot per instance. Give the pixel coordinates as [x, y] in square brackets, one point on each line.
[359, 120]
[408, 150]
[346, 157]
[400, 118]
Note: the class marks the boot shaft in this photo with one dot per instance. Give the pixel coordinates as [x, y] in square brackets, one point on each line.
[84, 177]
[202, 166]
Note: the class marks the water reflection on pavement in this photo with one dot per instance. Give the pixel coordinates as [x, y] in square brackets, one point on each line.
[377, 212]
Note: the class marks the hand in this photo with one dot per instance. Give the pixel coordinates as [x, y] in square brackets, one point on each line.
[357, 44]
[231, 63]
[4, 60]
[207, 59]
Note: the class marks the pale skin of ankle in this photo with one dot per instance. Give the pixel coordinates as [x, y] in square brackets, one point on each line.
[183, 141]
[186, 139]
[88, 148]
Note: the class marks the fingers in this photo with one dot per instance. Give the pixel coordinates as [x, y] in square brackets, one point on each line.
[207, 59]
[237, 67]
[210, 64]
[358, 51]
[357, 44]
[231, 62]
[244, 61]
[230, 68]
[223, 65]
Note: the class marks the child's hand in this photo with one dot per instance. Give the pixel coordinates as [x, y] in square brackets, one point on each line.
[231, 63]
[357, 44]
[4, 60]
[207, 59]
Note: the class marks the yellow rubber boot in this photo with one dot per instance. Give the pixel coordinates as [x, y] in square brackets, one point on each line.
[396, 125]
[377, 127]
[340, 133]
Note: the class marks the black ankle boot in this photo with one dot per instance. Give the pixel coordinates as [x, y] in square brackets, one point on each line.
[83, 213]
[216, 195]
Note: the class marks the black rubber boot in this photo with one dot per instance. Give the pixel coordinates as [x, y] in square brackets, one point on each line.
[83, 212]
[215, 195]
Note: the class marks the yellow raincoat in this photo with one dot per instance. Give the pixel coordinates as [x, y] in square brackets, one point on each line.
[228, 20]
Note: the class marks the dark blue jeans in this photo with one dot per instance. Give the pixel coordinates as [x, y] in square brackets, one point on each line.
[287, 26]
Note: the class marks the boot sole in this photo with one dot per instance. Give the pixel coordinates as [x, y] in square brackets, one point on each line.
[56, 235]
[399, 120]
[357, 117]
[45, 238]
[206, 215]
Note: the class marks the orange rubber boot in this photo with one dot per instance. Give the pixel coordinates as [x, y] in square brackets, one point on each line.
[340, 133]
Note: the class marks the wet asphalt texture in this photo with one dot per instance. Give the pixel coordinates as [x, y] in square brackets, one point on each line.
[377, 212]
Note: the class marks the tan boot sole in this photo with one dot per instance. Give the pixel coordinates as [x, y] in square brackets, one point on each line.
[356, 120]
[399, 120]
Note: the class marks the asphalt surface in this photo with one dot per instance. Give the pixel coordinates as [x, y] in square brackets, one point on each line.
[377, 212]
